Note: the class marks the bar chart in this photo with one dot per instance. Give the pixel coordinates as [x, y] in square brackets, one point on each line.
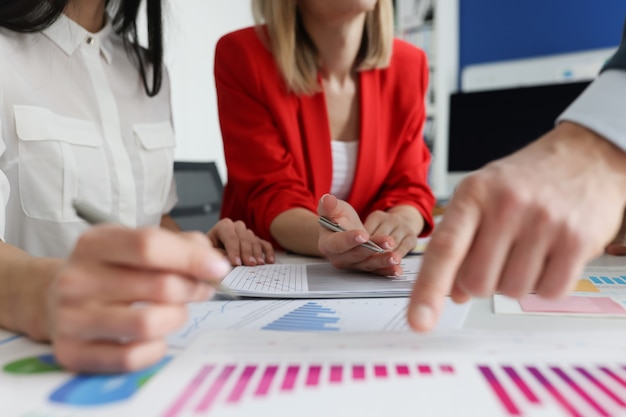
[215, 386]
[605, 280]
[596, 294]
[497, 389]
[309, 317]
[576, 391]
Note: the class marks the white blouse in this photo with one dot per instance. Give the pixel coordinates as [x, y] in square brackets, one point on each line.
[76, 123]
[344, 165]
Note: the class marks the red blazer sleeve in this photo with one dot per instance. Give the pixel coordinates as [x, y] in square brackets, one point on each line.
[254, 111]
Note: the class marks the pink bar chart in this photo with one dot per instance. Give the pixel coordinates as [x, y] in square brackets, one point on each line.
[576, 391]
[512, 389]
[232, 384]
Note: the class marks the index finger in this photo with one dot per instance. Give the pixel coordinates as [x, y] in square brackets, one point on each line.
[152, 249]
[444, 256]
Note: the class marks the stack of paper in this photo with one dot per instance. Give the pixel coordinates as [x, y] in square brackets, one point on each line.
[320, 280]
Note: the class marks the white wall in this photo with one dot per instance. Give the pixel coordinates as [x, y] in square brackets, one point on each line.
[192, 30]
[445, 83]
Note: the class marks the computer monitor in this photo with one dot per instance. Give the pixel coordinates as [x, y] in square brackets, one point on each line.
[487, 125]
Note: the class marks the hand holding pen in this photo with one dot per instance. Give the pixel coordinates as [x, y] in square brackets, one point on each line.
[94, 216]
[122, 291]
[335, 227]
[343, 247]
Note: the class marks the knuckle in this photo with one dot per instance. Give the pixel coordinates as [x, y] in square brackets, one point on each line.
[226, 222]
[125, 359]
[67, 355]
[473, 184]
[142, 243]
[442, 242]
[85, 242]
[544, 217]
[196, 236]
[142, 325]
[474, 283]
[65, 322]
[68, 283]
[513, 200]
[164, 288]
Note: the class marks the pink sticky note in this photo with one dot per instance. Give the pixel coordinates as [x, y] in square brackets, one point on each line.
[572, 304]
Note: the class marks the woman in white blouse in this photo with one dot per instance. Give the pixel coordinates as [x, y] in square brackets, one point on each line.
[85, 114]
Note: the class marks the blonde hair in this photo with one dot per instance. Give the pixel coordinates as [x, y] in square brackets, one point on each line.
[296, 55]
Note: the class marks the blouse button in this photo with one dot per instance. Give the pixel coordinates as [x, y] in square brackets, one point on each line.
[90, 40]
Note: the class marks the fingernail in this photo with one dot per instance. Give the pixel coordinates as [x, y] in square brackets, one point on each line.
[393, 261]
[260, 260]
[386, 245]
[238, 261]
[322, 198]
[217, 267]
[422, 316]
[360, 239]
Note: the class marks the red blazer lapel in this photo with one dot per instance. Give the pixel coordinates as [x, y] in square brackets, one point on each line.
[366, 165]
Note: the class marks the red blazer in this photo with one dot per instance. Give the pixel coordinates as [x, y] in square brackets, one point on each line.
[277, 144]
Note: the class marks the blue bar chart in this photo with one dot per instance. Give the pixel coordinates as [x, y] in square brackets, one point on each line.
[616, 280]
[306, 318]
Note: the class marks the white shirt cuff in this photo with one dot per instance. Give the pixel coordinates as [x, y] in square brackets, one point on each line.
[602, 107]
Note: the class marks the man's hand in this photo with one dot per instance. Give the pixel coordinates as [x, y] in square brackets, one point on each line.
[530, 221]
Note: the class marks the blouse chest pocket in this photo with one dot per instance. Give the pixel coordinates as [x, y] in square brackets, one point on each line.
[60, 159]
[157, 159]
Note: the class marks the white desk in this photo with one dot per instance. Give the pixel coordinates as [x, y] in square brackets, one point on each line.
[482, 317]
[31, 393]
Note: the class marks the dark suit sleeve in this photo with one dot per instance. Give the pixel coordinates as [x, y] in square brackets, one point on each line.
[619, 59]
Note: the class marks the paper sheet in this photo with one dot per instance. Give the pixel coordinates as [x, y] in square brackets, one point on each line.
[319, 280]
[32, 385]
[248, 372]
[320, 315]
[400, 374]
[601, 292]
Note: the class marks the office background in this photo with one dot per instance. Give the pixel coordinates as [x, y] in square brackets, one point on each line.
[464, 37]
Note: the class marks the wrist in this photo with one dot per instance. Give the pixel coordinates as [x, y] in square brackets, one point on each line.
[409, 216]
[598, 154]
[25, 293]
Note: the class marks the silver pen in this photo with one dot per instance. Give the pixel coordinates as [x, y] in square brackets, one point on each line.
[330, 225]
[94, 216]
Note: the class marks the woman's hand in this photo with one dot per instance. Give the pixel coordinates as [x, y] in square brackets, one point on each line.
[122, 291]
[343, 249]
[241, 245]
[403, 223]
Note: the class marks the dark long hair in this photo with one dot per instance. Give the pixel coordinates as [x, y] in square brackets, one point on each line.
[36, 15]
